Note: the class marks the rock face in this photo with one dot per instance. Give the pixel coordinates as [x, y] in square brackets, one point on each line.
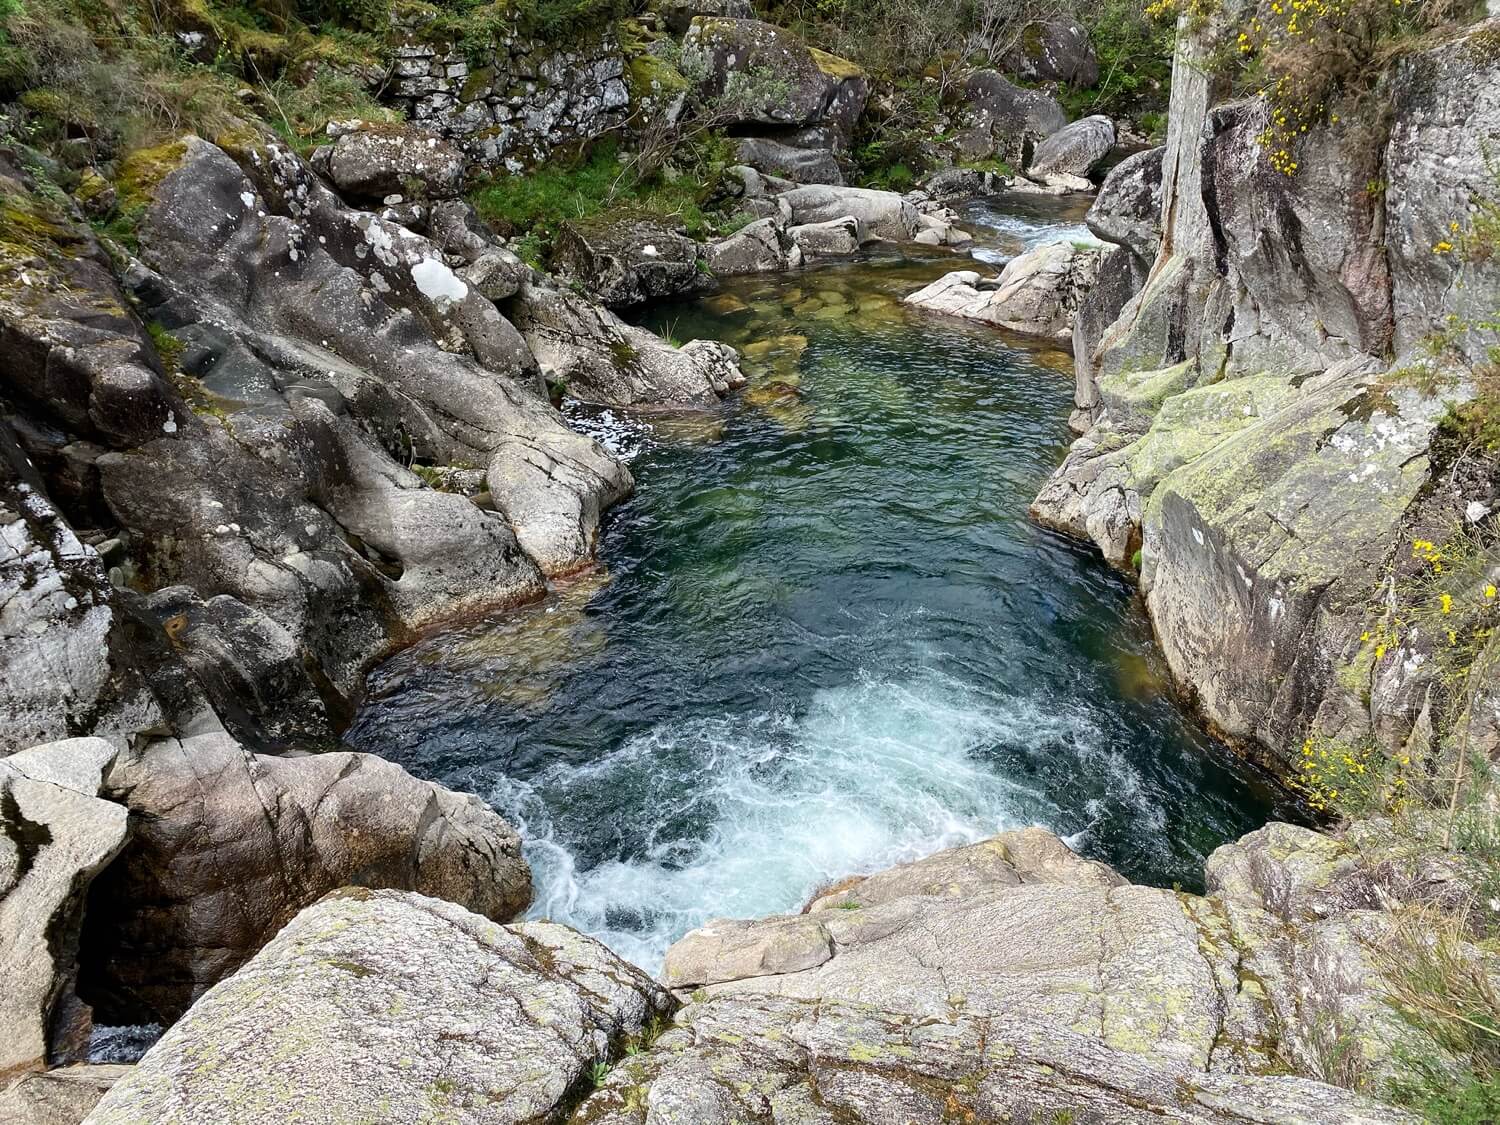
[771, 77]
[230, 845]
[1006, 977]
[476, 1022]
[1037, 293]
[757, 248]
[512, 102]
[376, 162]
[1252, 435]
[64, 1096]
[1075, 151]
[56, 834]
[627, 263]
[1002, 120]
[1054, 51]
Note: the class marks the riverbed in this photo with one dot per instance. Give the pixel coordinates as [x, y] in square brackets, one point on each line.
[823, 636]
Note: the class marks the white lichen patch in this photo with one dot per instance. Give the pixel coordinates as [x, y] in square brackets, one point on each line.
[437, 282]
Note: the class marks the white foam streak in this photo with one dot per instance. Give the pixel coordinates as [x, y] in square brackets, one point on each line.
[873, 774]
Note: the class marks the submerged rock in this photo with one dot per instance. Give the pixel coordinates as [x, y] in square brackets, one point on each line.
[231, 845]
[380, 1006]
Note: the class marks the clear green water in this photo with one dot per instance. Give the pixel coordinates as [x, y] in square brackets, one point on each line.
[825, 638]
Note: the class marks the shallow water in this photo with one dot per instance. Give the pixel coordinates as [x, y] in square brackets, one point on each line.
[825, 637]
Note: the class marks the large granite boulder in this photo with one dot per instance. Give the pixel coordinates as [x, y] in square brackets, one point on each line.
[760, 74]
[1074, 152]
[1003, 980]
[391, 335]
[627, 262]
[999, 119]
[599, 358]
[230, 845]
[1037, 293]
[378, 161]
[791, 162]
[56, 835]
[380, 1006]
[1127, 210]
[1054, 51]
[880, 214]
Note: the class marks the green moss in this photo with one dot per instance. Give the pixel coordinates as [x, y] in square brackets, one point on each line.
[143, 170]
[835, 67]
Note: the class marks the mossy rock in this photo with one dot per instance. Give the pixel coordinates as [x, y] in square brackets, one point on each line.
[834, 66]
[143, 170]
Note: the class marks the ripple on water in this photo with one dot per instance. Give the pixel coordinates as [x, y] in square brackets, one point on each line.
[830, 641]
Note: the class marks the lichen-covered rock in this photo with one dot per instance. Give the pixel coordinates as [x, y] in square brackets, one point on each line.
[1075, 150]
[1052, 936]
[375, 162]
[1445, 129]
[806, 87]
[627, 262]
[1002, 120]
[64, 1096]
[601, 359]
[1037, 293]
[380, 1006]
[56, 835]
[1263, 554]
[781, 1060]
[230, 845]
[1054, 51]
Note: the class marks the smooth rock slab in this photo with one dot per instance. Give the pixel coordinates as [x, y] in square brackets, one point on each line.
[231, 845]
[56, 834]
[377, 1006]
[1037, 293]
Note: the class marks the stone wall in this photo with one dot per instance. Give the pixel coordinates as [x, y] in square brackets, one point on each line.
[518, 104]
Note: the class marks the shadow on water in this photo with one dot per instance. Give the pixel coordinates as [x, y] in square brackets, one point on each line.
[829, 638]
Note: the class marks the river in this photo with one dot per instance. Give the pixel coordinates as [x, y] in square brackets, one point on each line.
[823, 637]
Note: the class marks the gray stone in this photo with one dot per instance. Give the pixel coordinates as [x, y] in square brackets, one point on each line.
[1037, 293]
[880, 214]
[800, 165]
[1054, 51]
[230, 845]
[1075, 151]
[810, 86]
[755, 248]
[1002, 120]
[64, 1096]
[1127, 210]
[375, 1005]
[56, 835]
[826, 240]
[379, 160]
[621, 262]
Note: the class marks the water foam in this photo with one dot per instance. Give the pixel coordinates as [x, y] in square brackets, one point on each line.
[750, 814]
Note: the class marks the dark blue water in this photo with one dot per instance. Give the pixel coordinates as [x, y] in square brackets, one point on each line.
[824, 638]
